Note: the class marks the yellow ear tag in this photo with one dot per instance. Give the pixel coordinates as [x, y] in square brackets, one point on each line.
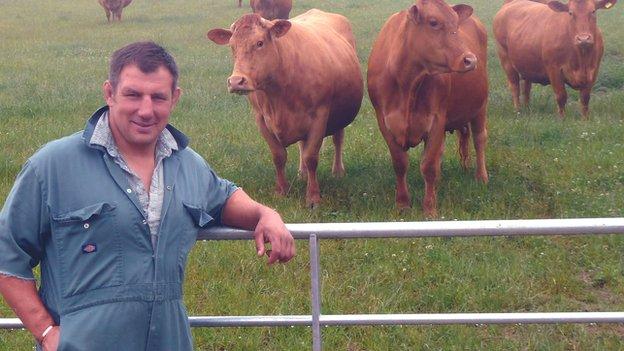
[608, 5]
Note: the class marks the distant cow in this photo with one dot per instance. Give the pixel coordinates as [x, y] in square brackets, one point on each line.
[303, 81]
[551, 43]
[271, 9]
[115, 7]
[426, 76]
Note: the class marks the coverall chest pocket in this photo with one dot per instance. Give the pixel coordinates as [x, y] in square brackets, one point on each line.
[89, 248]
[199, 219]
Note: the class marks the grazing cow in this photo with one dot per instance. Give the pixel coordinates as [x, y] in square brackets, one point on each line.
[271, 9]
[550, 43]
[115, 7]
[426, 76]
[303, 81]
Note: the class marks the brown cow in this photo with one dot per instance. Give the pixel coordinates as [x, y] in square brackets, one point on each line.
[271, 9]
[552, 43]
[115, 7]
[427, 75]
[303, 81]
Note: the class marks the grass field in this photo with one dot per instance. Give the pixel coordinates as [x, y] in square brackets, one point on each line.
[54, 60]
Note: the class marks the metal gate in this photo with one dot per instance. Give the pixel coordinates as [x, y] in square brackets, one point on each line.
[313, 232]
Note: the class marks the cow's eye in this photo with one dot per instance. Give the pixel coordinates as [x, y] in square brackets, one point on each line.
[570, 13]
[433, 23]
[260, 44]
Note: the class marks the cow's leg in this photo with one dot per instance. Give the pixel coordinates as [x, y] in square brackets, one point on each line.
[338, 169]
[430, 168]
[279, 154]
[513, 79]
[400, 163]
[240, 3]
[526, 92]
[108, 15]
[558, 85]
[479, 136]
[303, 170]
[585, 95]
[310, 155]
[463, 137]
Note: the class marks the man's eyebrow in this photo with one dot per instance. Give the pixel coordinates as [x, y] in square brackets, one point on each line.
[127, 90]
[159, 95]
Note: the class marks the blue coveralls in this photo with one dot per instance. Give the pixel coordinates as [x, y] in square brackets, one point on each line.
[72, 211]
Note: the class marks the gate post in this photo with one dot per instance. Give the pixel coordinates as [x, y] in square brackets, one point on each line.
[316, 293]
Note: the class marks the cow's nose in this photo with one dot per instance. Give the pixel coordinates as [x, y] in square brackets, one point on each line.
[470, 62]
[584, 39]
[237, 83]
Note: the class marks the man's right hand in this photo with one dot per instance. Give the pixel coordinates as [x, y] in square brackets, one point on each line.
[51, 340]
[21, 295]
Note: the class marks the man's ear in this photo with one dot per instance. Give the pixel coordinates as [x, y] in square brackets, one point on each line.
[463, 11]
[558, 6]
[109, 91]
[412, 13]
[220, 36]
[280, 28]
[605, 4]
[176, 96]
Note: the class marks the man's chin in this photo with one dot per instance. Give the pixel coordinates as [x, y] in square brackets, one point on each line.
[143, 140]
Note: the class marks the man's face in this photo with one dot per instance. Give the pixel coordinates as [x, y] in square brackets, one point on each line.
[140, 106]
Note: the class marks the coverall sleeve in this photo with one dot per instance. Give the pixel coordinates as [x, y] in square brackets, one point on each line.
[219, 191]
[22, 221]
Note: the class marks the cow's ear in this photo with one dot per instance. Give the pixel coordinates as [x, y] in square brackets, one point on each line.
[413, 13]
[558, 6]
[220, 36]
[463, 11]
[605, 4]
[279, 28]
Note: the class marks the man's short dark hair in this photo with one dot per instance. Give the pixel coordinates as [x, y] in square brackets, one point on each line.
[147, 56]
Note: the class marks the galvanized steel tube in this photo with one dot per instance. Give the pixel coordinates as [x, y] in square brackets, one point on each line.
[521, 227]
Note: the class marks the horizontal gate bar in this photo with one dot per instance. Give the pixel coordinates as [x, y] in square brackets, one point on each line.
[390, 319]
[412, 319]
[474, 318]
[520, 227]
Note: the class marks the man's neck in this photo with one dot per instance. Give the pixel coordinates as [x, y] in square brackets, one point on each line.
[137, 153]
[141, 161]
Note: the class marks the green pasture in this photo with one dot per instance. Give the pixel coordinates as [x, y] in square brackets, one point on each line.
[54, 57]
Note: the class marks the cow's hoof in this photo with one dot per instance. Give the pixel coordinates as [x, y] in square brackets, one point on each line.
[281, 192]
[338, 172]
[403, 204]
[431, 214]
[404, 210]
[483, 178]
[313, 205]
[303, 175]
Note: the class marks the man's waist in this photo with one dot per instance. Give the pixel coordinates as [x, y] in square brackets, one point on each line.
[126, 292]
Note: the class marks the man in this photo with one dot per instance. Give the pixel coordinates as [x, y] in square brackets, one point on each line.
[111, 214]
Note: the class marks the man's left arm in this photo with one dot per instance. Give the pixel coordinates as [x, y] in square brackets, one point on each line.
[243, 212]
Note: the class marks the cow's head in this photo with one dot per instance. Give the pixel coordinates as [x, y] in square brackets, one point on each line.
[252, 40]
[582, 18]
[440, 48]
[266, 9]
